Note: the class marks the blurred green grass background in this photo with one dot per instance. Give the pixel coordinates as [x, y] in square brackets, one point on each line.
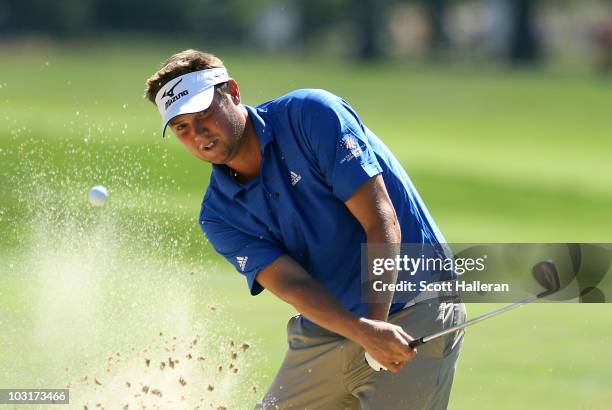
[498, 155]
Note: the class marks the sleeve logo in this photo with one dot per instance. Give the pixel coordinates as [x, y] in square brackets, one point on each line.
[350, 144]
[242, 261]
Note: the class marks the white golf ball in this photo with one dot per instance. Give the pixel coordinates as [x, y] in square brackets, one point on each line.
[98, 195]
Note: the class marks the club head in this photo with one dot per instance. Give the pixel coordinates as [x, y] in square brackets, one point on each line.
[547, 275]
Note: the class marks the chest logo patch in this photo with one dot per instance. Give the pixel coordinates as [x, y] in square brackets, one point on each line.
[295, 178]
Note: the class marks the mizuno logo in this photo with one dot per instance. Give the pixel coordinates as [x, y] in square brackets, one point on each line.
[295, 178]
[170, 91]
[242, 261]
[175, 98]
[170, 94]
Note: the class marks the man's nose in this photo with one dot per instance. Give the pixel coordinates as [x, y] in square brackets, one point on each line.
[202, 132]
[201, 129]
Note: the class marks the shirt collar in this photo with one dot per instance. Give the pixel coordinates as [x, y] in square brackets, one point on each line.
[223, 174]
[262, 129]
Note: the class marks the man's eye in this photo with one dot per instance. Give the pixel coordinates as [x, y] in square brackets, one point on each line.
[180, 127]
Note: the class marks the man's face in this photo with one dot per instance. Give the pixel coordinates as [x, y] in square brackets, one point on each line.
[215, 134]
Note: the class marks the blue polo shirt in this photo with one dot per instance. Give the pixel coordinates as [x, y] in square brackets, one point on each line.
[316, 152]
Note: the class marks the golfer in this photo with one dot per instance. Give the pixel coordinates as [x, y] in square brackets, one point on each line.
[298, 184]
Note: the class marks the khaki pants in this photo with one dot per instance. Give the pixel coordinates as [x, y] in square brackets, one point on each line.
[322, 370]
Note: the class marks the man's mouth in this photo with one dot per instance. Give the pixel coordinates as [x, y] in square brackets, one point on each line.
[207, 147]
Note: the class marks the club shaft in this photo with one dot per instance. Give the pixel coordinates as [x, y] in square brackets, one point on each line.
[426, 339]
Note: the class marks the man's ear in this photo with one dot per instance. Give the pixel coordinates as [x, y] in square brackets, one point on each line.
[234, 90]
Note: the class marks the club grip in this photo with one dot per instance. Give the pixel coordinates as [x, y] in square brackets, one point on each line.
[417, 343]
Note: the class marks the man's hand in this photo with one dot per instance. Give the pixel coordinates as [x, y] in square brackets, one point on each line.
[387, 343]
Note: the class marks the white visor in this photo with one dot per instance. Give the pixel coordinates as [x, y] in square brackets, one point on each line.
[188, 93]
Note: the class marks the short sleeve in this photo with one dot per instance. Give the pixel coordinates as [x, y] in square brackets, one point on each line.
[247, 253]
[339, 142]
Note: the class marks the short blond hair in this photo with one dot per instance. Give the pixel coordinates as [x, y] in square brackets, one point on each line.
[178, 64]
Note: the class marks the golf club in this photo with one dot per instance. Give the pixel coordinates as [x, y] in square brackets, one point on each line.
[545, 273]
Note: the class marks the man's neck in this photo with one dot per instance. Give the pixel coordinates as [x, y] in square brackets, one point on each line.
[245, 166]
